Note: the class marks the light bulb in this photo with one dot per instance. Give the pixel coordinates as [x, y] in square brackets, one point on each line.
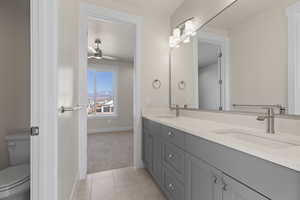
[187, 40]
[176, 35]
[189, 28]
[172, 42]
[176, 32]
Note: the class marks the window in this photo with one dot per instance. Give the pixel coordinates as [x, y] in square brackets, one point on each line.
[101, 92]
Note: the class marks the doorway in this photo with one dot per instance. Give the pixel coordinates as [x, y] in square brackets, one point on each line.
[110, 129]
[213, 71]
[111, 47]
[209, 76]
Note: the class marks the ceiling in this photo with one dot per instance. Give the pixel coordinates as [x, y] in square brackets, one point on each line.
[152, 6]
[118, 39]
[207, 54]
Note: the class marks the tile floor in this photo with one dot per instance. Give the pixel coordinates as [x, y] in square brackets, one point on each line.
[108, 151]
[119, 184]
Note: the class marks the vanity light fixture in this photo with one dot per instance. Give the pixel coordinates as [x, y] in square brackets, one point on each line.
[190, 28]
[183, 32]
[187, 40]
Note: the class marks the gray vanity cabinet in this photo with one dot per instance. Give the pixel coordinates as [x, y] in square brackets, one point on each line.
[233, 190]
[188, 167]
[202, 182]
[152, 149]
[148, 148]
[157, 159]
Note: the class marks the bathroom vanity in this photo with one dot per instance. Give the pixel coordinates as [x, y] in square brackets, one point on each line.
[193, 159]
[245, 59]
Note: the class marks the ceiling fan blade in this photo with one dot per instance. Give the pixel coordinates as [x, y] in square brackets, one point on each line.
[110, 58]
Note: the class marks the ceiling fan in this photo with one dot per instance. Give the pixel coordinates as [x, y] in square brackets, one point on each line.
[96, 52]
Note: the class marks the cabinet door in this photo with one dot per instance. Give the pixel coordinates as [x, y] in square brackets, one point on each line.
[233, 190]
[173, 188]
[202, 182]
[157, 159]
[148, 151]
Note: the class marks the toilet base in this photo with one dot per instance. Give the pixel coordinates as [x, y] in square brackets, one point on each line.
[21, 196]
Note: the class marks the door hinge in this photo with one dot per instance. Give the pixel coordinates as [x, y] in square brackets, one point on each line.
[220, 54]
[220, 82]
[34, 131]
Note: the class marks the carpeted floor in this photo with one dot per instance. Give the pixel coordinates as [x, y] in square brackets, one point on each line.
[108, 151]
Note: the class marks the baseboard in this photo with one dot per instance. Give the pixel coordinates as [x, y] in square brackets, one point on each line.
[75, 188]
[105, 130]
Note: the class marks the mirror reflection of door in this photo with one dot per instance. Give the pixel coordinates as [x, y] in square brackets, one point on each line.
[210, 76]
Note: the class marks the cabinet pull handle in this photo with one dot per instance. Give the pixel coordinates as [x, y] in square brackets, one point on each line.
[225, 187]
[171, 187]
[170, 134]
[215, 178]
[171, 156]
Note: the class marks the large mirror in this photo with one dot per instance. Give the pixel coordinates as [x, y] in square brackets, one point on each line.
[249, 54]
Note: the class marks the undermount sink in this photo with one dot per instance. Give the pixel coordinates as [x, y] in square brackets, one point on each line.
[255, 139]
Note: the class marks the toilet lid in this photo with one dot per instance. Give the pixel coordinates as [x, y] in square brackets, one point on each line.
[13, 176]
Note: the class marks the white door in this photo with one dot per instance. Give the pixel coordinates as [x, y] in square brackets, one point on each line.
[67, 95]
[44, 170]
[54, 61]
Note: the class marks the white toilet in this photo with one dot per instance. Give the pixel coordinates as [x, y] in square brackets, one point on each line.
[15, 180]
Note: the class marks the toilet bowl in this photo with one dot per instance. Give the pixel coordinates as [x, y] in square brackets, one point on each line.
[15, 180]
[15, 183]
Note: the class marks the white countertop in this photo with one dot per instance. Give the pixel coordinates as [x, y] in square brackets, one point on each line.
[285, 156]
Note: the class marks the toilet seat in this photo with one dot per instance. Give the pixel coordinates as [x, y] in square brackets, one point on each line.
[14, 180]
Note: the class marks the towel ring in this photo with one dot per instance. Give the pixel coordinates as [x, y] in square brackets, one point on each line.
[156, 84]
[181, 85]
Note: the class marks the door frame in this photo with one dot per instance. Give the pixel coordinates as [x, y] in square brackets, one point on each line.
[43, 18]
[92, 11]
[223, 42]
[293, 13]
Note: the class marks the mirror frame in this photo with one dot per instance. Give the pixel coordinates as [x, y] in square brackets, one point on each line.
[172, 107]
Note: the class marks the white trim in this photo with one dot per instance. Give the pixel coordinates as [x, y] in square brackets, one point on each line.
[103, 116]
[293, 13]
[196, 72]
[91, 11]
[75, 188]
[108, 130]
[44, 168]
[224, 43]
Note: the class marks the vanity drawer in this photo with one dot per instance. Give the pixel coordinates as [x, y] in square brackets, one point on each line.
[173, 188]
[173, 158]
[173, 136]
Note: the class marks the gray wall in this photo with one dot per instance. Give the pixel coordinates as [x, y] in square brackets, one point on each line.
[14, 70]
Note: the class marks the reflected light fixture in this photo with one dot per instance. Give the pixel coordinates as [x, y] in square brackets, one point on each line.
[183, 32]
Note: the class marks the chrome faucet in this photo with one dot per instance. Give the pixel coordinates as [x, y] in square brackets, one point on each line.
[177, 110]
[270, 117]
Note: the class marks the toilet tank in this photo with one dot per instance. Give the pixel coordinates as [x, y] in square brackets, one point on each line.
[18, 148]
